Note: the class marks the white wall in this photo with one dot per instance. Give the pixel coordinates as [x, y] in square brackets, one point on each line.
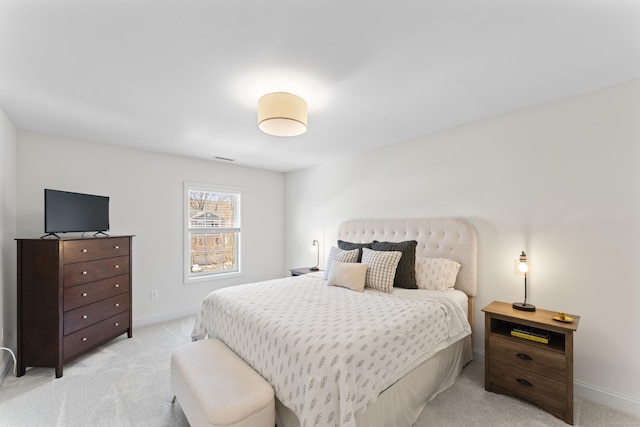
[7, 243]
[146, 199]
[560, 181]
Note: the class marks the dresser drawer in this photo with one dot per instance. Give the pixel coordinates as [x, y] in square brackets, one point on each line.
[88, 338]
[114, 247]
[528, 356]
[529, 385]
[90, 271]
[94, 248]
[87, 315]
[81, 250]
[78, 296]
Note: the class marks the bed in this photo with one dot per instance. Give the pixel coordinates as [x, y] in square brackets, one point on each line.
[345, 358]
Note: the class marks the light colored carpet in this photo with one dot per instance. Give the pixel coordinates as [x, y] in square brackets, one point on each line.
[126, 383]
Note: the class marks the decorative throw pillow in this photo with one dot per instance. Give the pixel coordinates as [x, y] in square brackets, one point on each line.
[437, 274]
[336, 254]
[382, 268]
[348, 275]
[406, 271]
[348, 246]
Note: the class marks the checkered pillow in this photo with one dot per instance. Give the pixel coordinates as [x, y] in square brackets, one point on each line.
[336, 254]
[382, 268]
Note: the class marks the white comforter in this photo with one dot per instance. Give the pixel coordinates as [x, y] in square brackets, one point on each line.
[328, 351]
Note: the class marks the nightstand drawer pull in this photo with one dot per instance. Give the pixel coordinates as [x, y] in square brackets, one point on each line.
[524, 382]
[524, 356]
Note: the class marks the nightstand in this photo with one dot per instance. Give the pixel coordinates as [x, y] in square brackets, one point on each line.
[535, 371]
[301, 271]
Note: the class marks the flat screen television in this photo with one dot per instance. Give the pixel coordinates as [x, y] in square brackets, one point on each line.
[67, 212]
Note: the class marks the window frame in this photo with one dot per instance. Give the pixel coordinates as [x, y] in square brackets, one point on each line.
[189, 278]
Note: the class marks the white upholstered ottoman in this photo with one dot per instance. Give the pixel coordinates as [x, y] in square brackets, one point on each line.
[217, 388]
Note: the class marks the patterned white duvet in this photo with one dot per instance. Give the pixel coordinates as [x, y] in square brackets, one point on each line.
[328, 351]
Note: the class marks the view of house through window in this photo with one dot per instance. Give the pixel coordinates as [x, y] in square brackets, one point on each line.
[213, 231]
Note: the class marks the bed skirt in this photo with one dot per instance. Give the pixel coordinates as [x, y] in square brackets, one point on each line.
[403, 402]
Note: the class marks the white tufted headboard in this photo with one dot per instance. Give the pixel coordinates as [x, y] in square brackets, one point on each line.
[453, 238]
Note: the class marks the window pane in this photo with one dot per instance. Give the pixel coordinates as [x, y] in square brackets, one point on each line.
[212, 252]
[213, 210]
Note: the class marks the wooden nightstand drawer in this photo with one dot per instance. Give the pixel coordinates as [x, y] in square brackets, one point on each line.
[528, 356]
[529, 385]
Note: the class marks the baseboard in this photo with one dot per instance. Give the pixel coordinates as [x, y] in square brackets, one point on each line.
[6, 366]
[607, 398]
[145, 321]
[591, 393]
[478, 356]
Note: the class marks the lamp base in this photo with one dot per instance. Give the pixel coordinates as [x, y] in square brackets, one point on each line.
[524, 306]
[313, 269]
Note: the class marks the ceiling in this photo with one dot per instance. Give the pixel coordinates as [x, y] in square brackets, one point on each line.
[183, 76]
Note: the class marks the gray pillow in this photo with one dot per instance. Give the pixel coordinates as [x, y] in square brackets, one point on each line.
[406, 270]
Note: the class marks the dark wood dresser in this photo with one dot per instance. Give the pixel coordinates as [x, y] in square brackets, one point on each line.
[74, 294]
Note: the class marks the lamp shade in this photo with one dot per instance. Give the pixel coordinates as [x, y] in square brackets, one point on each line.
[282, 114]
[523, 267]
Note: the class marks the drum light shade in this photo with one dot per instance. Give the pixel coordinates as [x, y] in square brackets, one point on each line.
[282, 114]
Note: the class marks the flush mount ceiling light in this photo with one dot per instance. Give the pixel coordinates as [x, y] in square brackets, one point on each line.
[282, 114]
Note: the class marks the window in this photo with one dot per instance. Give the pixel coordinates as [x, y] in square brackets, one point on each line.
[212, 232]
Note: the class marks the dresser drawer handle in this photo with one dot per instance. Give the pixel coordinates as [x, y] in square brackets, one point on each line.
[84, 273]
[524, 382]
[117, 304]
[84, 294]
[524, 356]
[85, 316]
[116, 324]
[84, 251]
[116, 247]
[84, 339]
[117, 285]
[117, 266]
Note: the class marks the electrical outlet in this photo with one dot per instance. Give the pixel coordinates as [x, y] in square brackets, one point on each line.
[153, 294]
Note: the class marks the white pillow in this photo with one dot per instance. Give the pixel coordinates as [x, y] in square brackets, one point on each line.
[382, 268]
[336, 254]
[348, 275]
[438, 274]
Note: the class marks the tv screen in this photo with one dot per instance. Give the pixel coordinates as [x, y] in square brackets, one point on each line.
[66, 212]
